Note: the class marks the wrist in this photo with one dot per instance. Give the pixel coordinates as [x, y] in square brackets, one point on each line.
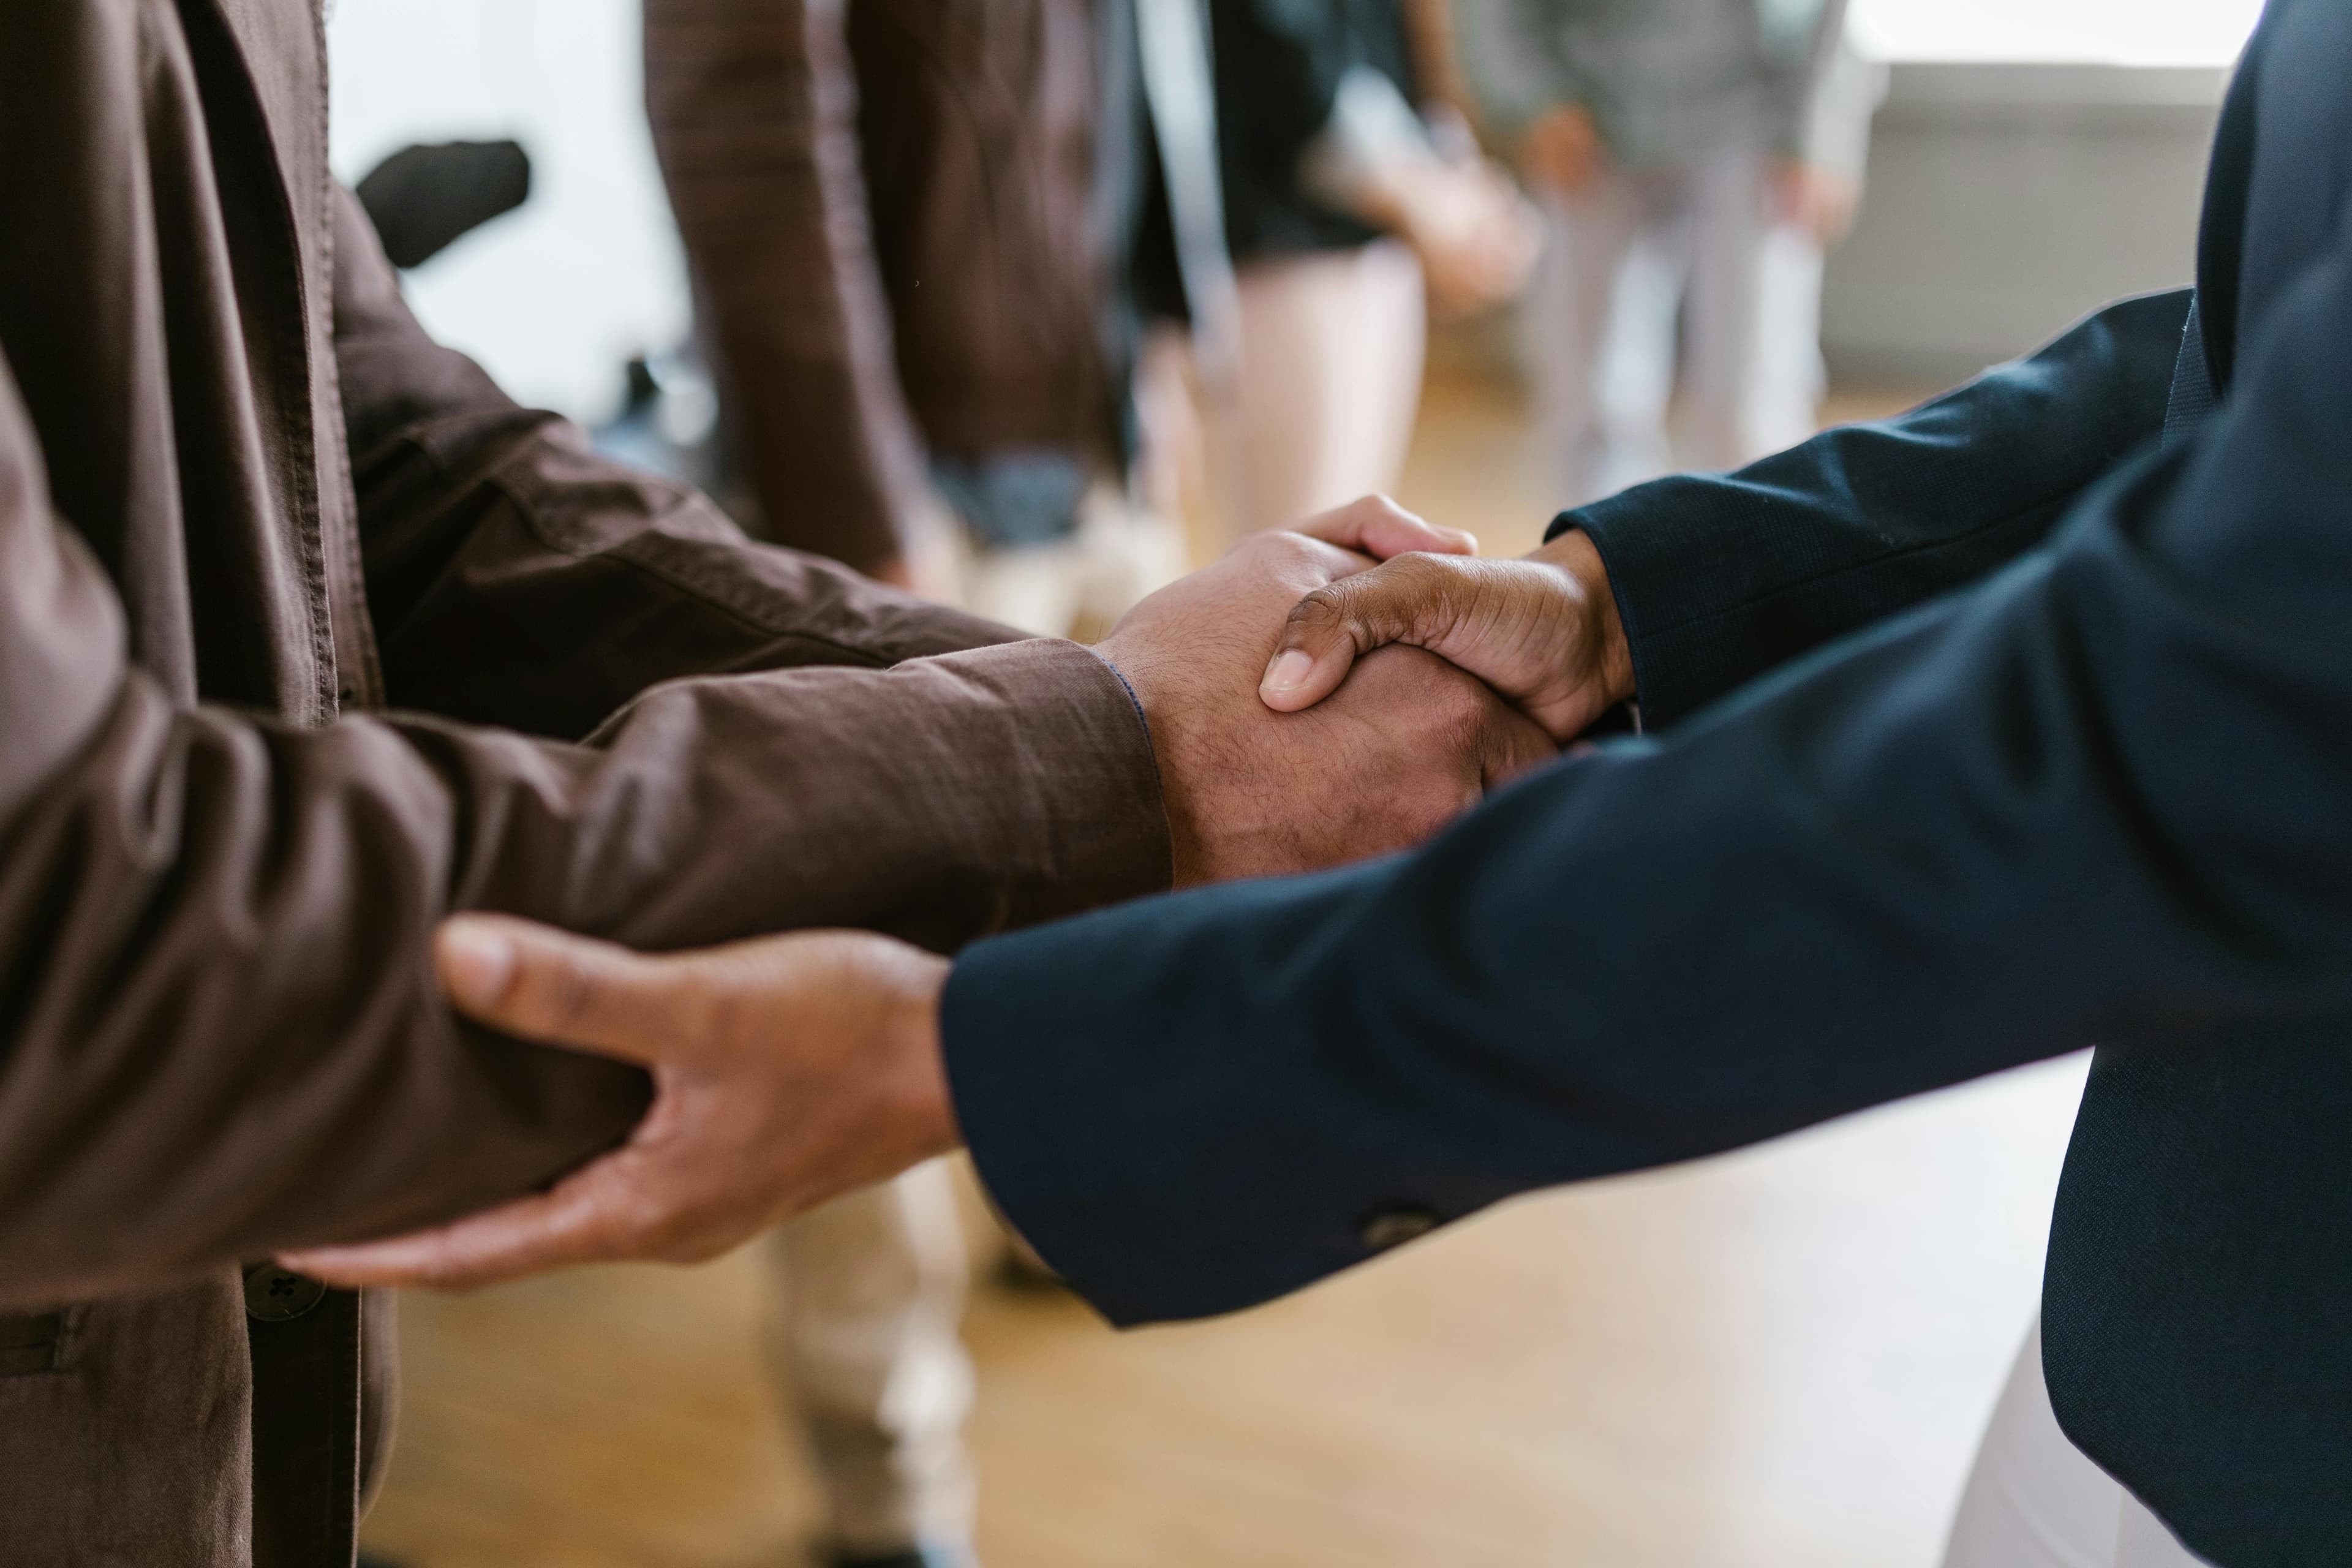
[922, 1104]
[1134, 670]
[1575, 557]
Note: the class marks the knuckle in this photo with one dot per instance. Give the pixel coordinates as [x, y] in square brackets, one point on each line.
[1282, 547]
[1321, 613]
[1421, 573]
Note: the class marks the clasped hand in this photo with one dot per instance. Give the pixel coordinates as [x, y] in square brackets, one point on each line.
[789, 1069]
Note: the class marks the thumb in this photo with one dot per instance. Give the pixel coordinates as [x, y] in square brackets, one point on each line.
[1378, 527]
[550, 985]
[1407, 600]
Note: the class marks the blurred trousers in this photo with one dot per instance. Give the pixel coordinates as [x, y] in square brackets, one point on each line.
[1649, 269]
[2036, 1500]
[865, 1351]
[1331, 350]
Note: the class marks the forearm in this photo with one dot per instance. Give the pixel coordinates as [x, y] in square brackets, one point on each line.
[224, 1037]
[1719, 579]
[2094, 798]
[516, 579]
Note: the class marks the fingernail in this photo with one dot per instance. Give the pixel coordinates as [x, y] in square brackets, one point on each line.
[476, 961]
[1288, 671]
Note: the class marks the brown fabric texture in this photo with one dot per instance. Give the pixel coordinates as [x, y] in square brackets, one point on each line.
[307, 636]
[890, 211]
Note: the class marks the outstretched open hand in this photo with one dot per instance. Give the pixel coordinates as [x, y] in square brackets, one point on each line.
[787, 1071]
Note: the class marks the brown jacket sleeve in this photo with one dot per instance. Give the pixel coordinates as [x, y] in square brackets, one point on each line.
[217, 1032]
[516, 579]
[754, 111]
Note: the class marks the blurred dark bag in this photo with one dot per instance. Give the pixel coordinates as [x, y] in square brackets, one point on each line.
[425, 198]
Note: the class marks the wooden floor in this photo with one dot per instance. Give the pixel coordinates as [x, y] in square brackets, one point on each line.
[1778, 1360]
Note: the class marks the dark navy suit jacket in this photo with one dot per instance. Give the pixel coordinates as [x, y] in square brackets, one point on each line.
[2021, 722]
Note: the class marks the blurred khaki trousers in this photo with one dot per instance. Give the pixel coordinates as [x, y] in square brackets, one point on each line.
[863, 1344]
[2036, 1500]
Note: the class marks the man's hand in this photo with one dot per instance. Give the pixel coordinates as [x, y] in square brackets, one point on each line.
[1562, 151]
[1477, 238]
[1822, 202]
[1407, 743]
[1541, 630]
[787, 1071]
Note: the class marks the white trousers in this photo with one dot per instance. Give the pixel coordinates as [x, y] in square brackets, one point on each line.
[1646, 271]
[1331, 350]
[863, 1345]
[2036, 1500]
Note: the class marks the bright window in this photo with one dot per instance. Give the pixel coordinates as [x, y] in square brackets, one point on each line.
[2109, 32]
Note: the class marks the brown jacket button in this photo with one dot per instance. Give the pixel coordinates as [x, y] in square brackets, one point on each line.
[1395, 1227]
[275, 1295]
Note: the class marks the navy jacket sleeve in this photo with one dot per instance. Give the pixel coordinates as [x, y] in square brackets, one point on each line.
[2098, 797]
[1720, 578]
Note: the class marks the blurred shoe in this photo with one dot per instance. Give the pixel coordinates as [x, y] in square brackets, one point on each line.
[912, 1557]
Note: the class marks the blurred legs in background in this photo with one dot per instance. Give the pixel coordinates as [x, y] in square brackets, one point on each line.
[1333, 343]
[867, 1359]
[1651, 271]
[2036, 1500]
[1076, 586]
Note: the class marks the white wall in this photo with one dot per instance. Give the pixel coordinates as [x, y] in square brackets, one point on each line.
[2014, 185]
[2081, 32]
[2005, 201]
[552, 298]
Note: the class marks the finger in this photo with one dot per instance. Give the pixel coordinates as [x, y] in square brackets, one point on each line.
[541, 983]
[589, 1217]
[1405, 600]
[1379, 528]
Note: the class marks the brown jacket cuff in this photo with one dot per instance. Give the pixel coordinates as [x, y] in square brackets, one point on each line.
[1085, 798]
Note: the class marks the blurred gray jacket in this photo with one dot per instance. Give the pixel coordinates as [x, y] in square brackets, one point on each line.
[1670, 81]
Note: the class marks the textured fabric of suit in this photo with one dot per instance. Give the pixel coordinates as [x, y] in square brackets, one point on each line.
[2009, 726]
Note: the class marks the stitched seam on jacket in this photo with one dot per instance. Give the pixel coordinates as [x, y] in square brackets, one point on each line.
[630, 553]
[1928, 548]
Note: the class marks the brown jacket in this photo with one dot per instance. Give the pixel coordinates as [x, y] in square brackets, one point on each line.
[889, 206]
[307, 636]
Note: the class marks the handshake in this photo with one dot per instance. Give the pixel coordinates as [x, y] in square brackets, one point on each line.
[1319, 696]
[1359, 744]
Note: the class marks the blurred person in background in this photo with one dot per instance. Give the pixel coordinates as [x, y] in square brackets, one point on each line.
[907, 230]
[902, 274]
[1694, 160]
[1346, 213]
